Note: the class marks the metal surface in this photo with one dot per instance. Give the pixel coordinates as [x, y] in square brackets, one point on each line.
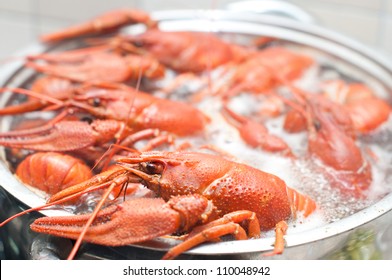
[310, 244]
[272, 7]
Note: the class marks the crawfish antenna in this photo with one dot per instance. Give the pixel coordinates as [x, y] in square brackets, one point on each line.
[34, 94]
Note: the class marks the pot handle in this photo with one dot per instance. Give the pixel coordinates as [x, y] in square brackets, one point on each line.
[272, 7]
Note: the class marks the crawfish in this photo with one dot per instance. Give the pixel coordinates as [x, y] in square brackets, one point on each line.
[186, 51]
[139, 110]
[63, 136]
[339, 151]
[331, 139]
[52, 172]
[87, 140]
[258, 72]
[255, 134]
[354, 107]
[96, 64]
[107, 22]
[58, 88]
[295, 120]
[181, 51]
[204, 195]
[366, 110]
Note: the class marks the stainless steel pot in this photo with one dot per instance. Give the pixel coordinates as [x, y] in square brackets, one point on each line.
[345, 54]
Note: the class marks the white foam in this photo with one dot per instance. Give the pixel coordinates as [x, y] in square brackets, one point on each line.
[298, 174]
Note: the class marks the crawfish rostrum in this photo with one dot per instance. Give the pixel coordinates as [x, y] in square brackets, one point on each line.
[213, 162]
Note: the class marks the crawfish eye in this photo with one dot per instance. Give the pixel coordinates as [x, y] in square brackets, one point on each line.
[138, 44]
[96, 102]
[317, 125]
[154, 168]
[87, 120]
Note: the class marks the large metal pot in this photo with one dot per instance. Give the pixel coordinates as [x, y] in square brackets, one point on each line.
[346, 54]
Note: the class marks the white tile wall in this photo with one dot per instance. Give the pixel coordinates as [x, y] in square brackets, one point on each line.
[369, 21]
[18, 5]
[16, 32]
[151, 5]
[364, 4]
[78, 10]
[387, 34]
[362, 25]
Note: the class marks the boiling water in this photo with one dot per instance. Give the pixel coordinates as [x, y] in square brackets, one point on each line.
[300, 173]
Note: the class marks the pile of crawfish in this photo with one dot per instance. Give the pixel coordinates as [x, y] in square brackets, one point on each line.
[116, 128]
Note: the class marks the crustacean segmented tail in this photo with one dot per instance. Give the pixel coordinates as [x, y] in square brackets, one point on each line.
[300, 203]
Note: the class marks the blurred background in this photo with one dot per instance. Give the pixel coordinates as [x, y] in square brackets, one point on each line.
[368, 21]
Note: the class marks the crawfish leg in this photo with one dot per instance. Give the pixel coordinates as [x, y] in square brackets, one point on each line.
[157, 139]
[206, 235]
[212, 231]
[280, 231]
[235, 217]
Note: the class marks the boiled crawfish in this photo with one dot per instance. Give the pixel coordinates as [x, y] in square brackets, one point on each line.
[256, 134]
[204, 195]
[142, 110]
[354, 107]
[106, 22]
[257, 74]
[89, 141]
[187, 51]
[367, 111]
[96, 64]
[331, 139]
[139, 110]
[260, 72]
[52, 172]
[181, 51]
[61, 89]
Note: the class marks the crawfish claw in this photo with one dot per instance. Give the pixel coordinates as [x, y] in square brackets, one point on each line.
[62, 136]
[133, 221]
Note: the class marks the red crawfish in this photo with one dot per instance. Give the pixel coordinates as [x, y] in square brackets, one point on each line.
[96, 64]
[139, 110]
[256, 134]
[203, 195]
[61, 89]
[52, 172]
[296, 119]
[89, 141]
[186, 51]
[181, 51]
[366, 110]
[331, 139]
[258, 72]
[142, 110]
[355, 108]
[107, 22]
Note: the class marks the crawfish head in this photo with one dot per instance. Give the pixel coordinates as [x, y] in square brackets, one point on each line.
[229, 185]
[171, 173]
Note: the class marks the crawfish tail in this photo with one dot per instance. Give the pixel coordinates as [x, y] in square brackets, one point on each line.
[300, 202]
